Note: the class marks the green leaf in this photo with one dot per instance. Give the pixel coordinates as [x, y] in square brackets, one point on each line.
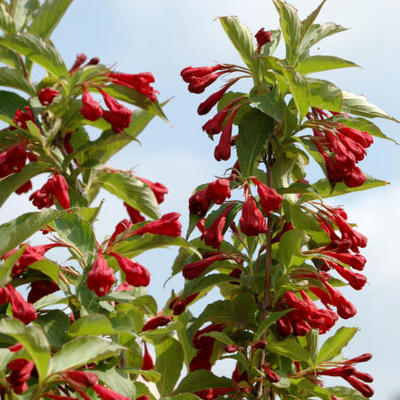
[93, 324]
[312, 64]
[13, 78]
[5, 357]
[269, 48]
[325, 95]
[290, 348]
[243, 309]
[22, 11]
[255, 128]
[76, 231]
[270, 103]
[290, 248]
[169, 364]
[221, 337]
[136, 245]
[300, 90]
[308, 22]
[6, 21]
[12, 182]
[48, 268]
[37, 50]
[6, 267]
[9, 104]
[132, 191]
[315, 34]
[54, 324]
[83, 350]
[117, 382]
[240, 37]
[16, 231]
[359, 105]
[334, 345]
[201, 380]
[34, 340]
[48, 17]
[325, 190]
[207, 282]
[345, 393]
[290, 26]
[268, 322]
[362, 124]
[9, 58]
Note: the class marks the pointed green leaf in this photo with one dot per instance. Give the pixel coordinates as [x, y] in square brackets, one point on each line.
[34, 340]
[221, 337]
[308, 22]
[271, 104]
[334, 345]
[169, 363]
[13, 78]
[6, 267]
[48, 17]
[131, 190]
[255, 128]
[289, 347]
[6, 21]
[54, 324]
[76, 231]
[83, 350]
[325, 95]
[290, 26]
[300, 90]
[201, 380]
[93, 324]
[268, 322]
[240, 37]
[22, 11]
[16, 231]
[206, 282]
[325, 190]
[290, 248]
[37, 50]
[312, 64]
[48, 268]
[9, 104]
[359, 105]
[115, 379]
[12, 182]
[346, 393]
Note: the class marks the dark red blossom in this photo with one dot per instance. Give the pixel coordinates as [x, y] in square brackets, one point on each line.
[252, 222]
[212, 100]
[22, 117]
[147, 362]
[199, 202]
[90, 109]
[363, 388]
[40, 289]
[214, 234]
[195, 269]
[271, 375]
[118, 115]
[178, 305]
[13, 159]
[101, 276]
[134, 214]
[189, 73]
[158, 189]
[47, 95]
[156, 322]
[219, 190]
[263, 37]
[21, 370]
[79, 61]
[122, 226]
[108, 394]
[223, 149]
[25, 188]
[167, 225]
[135, 274]
[270, 199]
[81, 378]
[20, 308]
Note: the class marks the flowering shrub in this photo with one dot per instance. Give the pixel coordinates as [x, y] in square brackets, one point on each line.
[278, 254]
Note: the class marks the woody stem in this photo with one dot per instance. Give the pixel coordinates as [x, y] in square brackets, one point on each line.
[268, 161]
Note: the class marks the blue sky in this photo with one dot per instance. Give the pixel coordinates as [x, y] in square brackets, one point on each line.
[164, 37]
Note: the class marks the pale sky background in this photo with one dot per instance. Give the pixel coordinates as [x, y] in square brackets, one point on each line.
[164, 36]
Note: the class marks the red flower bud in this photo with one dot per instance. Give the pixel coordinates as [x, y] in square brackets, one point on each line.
[262, 37]
[147, 360]
[167, 225]
[199, 203]
[158, 189]
[223, 150]
[218, 191]
[122, 226]
[47, 95]
[229, 348]
[91, 109]
[213, 235]
[363, 376]
[140, 82]
[252, 222]
[364, 389]
[344, 371]
[21, 309]
[100, 277]
[134, 214]
[271, 375]
[135, 274]
[16, 347]
[82, 378]
[80, 59]
[108, 394]
[195, 269]
[144, 397]
[156, 322]
[22, 117]
[26, 187]
[270, 200]
[363, 358]
[21, 370]
[211, 101]
[40, 289]
[354, 177]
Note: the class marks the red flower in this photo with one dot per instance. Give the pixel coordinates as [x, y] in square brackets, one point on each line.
[211, 101]
[80, 59]
[178, 305]
[158, 189]
[270, 200]
[219, 190]
[189, 73]
[91, 109]
[144, 397]
[119, 116]
[364, 389]
[21, 309]
[156, 322]
[214, 234]
[140, 82]
[47, 95]
[21, 118]
[147, 360]
[262, 37]
[21, 370]
[40, 289]
[135, 274]
[363, 358]
[252, 222]
[13, 159]
[354, 177]
[195, 269]
[167, 225]
[82, 378]
[108, 394]
[223, 149]
[26, 187]
[199, 202]
[100, 277]
[343, 371]
[122, 226]
[134, 214]
[272, 376]
[356, 261]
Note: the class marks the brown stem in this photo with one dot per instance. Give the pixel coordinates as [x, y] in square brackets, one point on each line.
[268, 161]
